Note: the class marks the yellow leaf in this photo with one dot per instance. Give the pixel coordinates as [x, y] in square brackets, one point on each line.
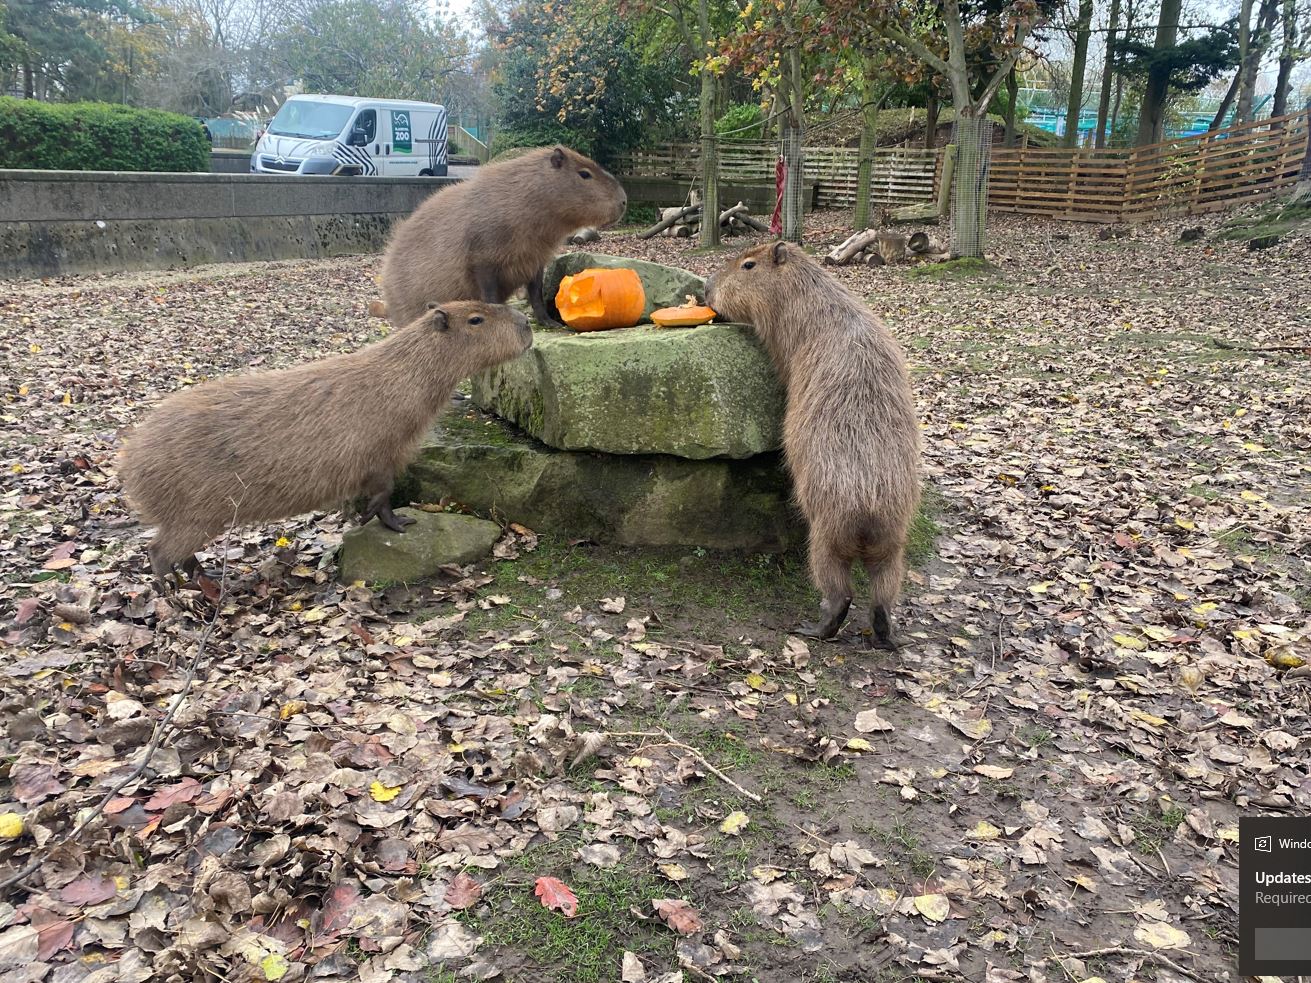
[1254, 448]
[1041, 588]
[1250, 496]
[1284, 659]
[34, 348]
[675, 872]
[313, 615]
[983, 831]
[1147, 718]
[934, 907]
[859, 744]
[67, 400]
[18, 468]
[11, 826]
[274, 966]
[637, 761]
[1129, 642]
[384, 793]
[975, 730]
[23, 390]
[290, 709]
[756, 681]
[1159, 935]
[993, 771]
[1206, 607]
[282, 543]
[734, 823]
[1156, 633]
[1185, 523]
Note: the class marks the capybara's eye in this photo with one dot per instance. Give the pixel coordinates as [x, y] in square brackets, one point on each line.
[476, 319]
[749, 265]
[585, 175]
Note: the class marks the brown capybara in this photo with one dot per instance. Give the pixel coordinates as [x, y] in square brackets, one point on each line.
[261, 447]
[486, 237]
[850, 437]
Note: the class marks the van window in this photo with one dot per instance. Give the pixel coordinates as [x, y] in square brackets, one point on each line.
[312, 120]
[368, 122]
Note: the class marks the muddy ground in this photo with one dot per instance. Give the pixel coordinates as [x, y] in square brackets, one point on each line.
[1103, 668]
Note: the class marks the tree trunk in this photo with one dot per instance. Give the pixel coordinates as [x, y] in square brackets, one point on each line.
[970, 187]
[1108, 76]
[931, 106]
[709, 145]
[29, 80]
[1252, 53]
[865, 156]
[1287, 59]
[1151, 121]
[1219, 119]
[793, 184]
[709, 159]
[1077, 71]
[1012, 94]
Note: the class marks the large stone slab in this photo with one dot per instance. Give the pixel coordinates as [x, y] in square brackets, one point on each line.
[627, 500]
[664, 286]
[693, 393]
[375, 554]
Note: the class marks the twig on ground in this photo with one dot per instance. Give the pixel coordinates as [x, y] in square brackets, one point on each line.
[1117, 950]
[670, 741]
[161, 730]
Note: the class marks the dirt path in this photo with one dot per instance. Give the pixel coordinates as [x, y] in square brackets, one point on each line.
[1101, 670]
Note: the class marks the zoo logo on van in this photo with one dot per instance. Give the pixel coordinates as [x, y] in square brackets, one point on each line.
[401, 138]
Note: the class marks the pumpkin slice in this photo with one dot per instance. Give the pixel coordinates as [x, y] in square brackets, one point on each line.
[682, 317]
[597, 299]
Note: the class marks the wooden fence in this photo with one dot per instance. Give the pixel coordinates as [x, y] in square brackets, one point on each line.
[1186, 176]
[899, 175]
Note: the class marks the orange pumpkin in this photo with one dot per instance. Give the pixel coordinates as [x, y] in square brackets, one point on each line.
[596, 299]
[682, 317]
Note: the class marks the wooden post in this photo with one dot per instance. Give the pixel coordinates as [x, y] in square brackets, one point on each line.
[948, 172]
[1073, 186]
[1203, 153]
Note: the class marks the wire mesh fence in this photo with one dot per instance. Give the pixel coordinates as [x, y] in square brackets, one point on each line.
[969, 193]
[793, 204]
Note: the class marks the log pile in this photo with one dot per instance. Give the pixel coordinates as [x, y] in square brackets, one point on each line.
[880, 247]
[683, 222]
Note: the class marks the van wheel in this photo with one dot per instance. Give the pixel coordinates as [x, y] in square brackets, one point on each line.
[426, 172]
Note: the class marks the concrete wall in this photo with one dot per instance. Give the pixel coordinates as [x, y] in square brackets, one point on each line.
[229, 162]
[55, 222]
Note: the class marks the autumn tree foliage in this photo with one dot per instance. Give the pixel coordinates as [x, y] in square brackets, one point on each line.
[567, 71]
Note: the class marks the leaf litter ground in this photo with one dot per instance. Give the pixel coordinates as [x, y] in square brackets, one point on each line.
[581, 763]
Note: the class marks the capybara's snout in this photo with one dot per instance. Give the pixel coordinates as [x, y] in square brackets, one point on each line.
[525, 329]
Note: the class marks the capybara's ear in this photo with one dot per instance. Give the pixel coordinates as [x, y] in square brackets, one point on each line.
[439, 319]
[780, 252]
[557, 157]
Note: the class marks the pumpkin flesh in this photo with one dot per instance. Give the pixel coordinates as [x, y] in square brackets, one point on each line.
[597, 299]
[680, 317]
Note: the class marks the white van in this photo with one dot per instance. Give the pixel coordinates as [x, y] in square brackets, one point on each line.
[350, 135]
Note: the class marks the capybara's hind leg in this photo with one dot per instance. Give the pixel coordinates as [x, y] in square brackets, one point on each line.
[167, 550]
[831, 573]
[380, 507]
[885, 578]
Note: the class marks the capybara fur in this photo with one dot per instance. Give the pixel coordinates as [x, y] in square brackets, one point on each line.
[850, 436]
[485, 238]
[261, 447]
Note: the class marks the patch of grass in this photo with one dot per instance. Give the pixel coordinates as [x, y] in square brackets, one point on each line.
[1033, 736]
[587, 948]
[1155, 829]
[901, 840]
[1276, 219]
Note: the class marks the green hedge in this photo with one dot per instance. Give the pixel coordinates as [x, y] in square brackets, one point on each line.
[96, 136]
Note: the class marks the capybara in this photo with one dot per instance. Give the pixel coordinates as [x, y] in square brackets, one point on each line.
[486, 237]
[261, 447]
[850, 437]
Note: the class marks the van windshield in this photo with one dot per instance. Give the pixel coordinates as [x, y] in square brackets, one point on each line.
[313, 120]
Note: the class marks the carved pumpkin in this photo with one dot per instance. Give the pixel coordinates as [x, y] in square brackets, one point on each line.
[596, 299]
[682, 317]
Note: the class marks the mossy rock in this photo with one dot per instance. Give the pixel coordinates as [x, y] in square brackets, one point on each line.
[375, 554]
[694, 393]
[632, 500]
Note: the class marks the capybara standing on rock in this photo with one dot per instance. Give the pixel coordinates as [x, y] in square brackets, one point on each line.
[262, 447]
[850, 437]
[486, 237]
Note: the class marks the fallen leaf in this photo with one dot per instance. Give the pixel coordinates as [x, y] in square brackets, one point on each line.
[554, 893]
[1161, 935]
[934, 907]
[383, 793]
[463, 891]
[868, 721]
[678, 915]
[734, 823]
